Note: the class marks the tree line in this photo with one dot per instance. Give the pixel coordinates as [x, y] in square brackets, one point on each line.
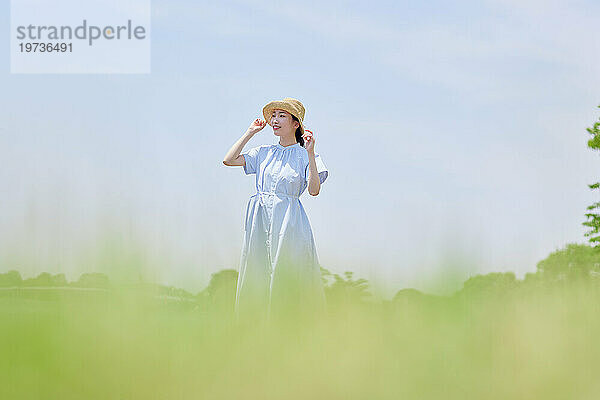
[575, 263]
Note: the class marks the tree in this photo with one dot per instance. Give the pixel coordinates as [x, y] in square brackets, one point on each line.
[46, 279]
[10, 278]
[92, 280]
[490, 284]
[574, 262]
[593, 216]
[220, 292]
[344, 290]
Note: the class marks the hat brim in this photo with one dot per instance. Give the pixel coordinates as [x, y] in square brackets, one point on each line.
[280, 105]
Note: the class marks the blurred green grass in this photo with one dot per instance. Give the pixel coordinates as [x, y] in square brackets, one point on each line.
[497, 338]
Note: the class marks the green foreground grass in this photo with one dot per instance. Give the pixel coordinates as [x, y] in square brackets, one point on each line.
[539, 343]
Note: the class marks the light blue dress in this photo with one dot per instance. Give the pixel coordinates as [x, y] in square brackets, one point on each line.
[279, 266]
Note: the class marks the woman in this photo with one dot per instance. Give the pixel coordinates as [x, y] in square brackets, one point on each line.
[279, 269]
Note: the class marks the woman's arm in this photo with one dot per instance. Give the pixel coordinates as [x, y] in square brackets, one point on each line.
[314, 184]
[233, 157]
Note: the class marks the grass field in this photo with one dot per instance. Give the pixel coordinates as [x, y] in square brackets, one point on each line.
[99, 344]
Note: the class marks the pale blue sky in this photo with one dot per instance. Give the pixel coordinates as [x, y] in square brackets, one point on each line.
[454, 133]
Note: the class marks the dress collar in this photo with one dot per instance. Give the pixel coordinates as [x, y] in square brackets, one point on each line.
[297, 144]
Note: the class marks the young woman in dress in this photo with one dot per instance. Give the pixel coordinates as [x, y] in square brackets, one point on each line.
[279, 274]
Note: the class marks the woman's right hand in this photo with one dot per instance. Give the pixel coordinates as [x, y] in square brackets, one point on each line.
[256, 126]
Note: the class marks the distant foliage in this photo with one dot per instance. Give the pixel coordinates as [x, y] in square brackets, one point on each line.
[576, 262]
[46, 279]
[172, 291]
[92, 280]
[10, 279]
[492, 283]
[410, 296]
[344, 289]
[220, 292]
[593, 217]
[571, 264]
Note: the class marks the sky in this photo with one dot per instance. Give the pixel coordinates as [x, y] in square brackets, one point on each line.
[454, 134]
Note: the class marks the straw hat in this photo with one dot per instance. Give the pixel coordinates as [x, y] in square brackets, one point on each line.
[288, 104]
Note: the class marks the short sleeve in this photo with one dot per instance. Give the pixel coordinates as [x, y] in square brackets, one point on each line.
[321, 169]
[251, 157]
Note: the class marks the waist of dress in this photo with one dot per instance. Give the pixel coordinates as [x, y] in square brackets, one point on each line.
[259, 192]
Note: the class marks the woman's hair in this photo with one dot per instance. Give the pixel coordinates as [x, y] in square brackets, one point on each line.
[299, 138]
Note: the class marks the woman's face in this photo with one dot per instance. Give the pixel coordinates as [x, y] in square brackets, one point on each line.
[283, 124]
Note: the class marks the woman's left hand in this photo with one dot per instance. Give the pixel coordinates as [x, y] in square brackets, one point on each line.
[309, 141]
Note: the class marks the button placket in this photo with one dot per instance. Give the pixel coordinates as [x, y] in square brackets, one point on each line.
[269, 255]
[275, 178]
[269, 231]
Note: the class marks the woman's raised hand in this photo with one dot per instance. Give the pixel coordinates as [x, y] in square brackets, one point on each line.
[309, 140]
[256, 126]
